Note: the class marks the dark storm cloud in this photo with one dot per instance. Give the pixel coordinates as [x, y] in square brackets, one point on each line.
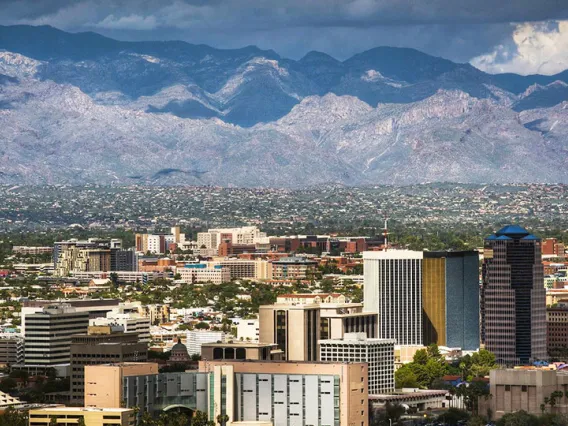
[458, 30]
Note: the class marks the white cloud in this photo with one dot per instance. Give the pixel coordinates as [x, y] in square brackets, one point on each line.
[536, 48]
[130, 22]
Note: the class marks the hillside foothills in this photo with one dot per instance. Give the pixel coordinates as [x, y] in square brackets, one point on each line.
[82, 108]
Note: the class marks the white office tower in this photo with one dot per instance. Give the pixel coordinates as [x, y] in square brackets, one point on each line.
[356, 347]
[195, 338]
[393, 289]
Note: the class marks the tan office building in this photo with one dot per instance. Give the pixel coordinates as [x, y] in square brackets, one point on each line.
[294, 328]
[91, 416]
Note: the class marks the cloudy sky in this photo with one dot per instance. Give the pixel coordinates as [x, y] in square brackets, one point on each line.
[523, 36]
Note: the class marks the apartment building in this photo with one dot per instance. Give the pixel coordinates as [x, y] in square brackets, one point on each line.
[293, 268]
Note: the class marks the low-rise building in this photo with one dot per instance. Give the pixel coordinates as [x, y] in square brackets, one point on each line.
[516, 389]
[296, 268]
[241, 351]
[11, 348]
[193, 273]
[278, 393]
[130, 322]
[91, 416]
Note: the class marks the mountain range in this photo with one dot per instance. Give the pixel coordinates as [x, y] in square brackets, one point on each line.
[81, 108]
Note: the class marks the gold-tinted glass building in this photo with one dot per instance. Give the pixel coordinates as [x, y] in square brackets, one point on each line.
[450, 299]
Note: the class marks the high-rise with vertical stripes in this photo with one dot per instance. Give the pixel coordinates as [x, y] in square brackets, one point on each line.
[393, 289]
[513, 307]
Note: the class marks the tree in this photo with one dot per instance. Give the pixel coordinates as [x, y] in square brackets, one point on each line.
[147, 420]
[405, 377]
[201, 419]
[173, 419]
[476, 421]
[201, 326]
[53, 421]
[471, 392]
[519, 418]
[81, 421]
[453, 416]
[222, 419]
[8, 384]
[13, 417]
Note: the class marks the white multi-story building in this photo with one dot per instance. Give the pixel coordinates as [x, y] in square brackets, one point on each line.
[248, 330]
[131, 322]
[356, 347]
[207, 240]
[203, 273]
[393, 289]
[244, 235]
[195, 338]
[48, 334]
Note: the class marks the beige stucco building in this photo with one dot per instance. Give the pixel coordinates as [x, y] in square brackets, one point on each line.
[91, 416]
[103, 383]
[525, 389]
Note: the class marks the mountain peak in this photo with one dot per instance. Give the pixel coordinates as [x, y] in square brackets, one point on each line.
[315, 56]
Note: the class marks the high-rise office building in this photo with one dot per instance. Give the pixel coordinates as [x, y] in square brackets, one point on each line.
[356, 347]
[393, 289]
[513, 305]
[450, 299]
[48, 335]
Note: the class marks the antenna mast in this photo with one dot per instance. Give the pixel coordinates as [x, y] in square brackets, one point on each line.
[386, 232]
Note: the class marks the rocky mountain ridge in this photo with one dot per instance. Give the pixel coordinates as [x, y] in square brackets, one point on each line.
[171, 113]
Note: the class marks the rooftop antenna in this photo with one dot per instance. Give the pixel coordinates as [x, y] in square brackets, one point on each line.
[386, 232]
